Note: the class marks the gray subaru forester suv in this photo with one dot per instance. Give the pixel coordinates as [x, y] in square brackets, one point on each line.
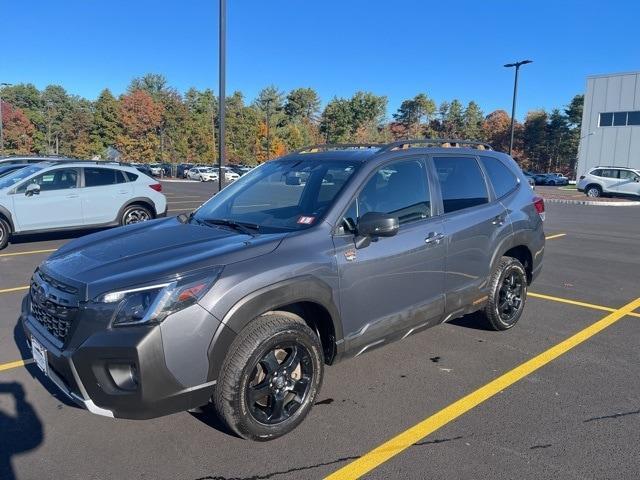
[310, 259]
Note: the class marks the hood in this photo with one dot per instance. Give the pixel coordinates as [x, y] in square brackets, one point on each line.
[145, 252]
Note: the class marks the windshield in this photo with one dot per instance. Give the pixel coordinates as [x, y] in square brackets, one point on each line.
[14, 177]
[280, 196]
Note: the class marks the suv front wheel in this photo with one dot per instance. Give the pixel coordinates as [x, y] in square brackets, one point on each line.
[270, 378]
[507, 294]
[5, 233]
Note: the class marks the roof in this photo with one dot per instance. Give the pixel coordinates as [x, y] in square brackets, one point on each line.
[363, 151]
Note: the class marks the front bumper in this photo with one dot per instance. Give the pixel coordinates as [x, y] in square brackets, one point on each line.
[119, 372]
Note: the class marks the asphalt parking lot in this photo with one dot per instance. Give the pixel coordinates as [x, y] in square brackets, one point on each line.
[455, 401]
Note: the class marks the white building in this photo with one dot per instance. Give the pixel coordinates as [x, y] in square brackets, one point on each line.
[610, 122]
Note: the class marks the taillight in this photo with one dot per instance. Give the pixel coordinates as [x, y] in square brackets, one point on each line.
[156, 186]
[581, 177]
[538, 203]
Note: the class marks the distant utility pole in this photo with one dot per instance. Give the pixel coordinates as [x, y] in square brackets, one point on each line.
[2, 85]
[517, 65]
[221, 88]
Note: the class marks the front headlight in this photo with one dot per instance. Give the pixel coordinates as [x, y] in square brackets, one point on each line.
[153, 303]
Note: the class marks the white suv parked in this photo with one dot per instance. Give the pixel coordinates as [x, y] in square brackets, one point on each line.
[610, 181]
[74, 195]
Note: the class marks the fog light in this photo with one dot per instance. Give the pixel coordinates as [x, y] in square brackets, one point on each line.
[124, 375]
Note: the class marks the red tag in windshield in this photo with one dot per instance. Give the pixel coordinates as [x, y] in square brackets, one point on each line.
[306, 220]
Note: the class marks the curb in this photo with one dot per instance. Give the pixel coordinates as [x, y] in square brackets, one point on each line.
[175, 180]
[590, 202]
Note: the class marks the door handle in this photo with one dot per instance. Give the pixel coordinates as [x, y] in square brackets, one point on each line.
[123, 192]
[434, 238]
[499, 220]
[73, 195]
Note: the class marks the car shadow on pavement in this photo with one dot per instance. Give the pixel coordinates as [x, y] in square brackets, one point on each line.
[50, 236]
[474, 321]
[20, 431]
[209, 417]
[21, 342]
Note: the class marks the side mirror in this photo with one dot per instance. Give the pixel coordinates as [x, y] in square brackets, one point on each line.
[292, 180]
[374, 224]
[33, 189]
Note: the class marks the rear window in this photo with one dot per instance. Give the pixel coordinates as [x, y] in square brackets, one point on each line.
[461, 183]
[502, 179]
[99, 177]
[132, 177]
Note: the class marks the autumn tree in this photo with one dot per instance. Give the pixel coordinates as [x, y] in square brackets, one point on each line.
[496, 129]
[412, 113]
[140, 117]
[202, 107]
[106, 123]
[17, 130]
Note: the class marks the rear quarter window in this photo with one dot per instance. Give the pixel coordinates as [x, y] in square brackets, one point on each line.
[501, 177]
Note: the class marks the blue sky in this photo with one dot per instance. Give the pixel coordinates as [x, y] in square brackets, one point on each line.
[452, 49]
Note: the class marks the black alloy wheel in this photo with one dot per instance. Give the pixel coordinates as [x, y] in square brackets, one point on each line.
[280, 383]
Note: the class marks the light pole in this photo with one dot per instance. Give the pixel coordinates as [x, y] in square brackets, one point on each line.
[221, 88]
[517, 65]
[2, 85]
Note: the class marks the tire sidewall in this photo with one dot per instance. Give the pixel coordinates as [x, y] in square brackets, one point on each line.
[5, 233]
[134, 207]
[249, 427]
[596, 190]
[506, 268]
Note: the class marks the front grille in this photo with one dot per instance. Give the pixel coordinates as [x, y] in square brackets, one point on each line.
[53, 305]
[55, 318]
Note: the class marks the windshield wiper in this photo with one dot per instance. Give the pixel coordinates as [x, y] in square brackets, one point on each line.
[246, 228]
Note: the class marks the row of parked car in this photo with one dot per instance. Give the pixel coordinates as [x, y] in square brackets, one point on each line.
[551, 179]
[40, 194]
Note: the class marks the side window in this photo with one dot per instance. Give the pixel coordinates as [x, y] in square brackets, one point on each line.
[99, 177]
[626, 175]
[61, 179]
[400, 189]
[609, 173]
[461, 183]
[502, 179]
[597, 173]
[131, 176]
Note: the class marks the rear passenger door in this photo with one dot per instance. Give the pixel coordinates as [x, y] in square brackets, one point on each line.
[475, 224]
[105, 191]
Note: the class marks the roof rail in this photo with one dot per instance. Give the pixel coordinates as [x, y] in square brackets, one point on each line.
[337, 146]
[436, 142]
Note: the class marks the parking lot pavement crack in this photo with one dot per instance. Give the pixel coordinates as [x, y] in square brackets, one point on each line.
[267, 476]
[613, 416]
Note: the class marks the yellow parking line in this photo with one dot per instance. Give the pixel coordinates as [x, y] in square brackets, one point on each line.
[557, 235]
[577, 303]
[16, 364]
[32, 252]
[14, 289]
[406, 439]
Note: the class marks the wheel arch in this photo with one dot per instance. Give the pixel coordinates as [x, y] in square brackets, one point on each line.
[6, 215]
[307, 297]
[524, 256]
[144, 201]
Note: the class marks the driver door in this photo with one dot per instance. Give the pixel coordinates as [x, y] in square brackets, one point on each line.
[56, 206]
[395, 285]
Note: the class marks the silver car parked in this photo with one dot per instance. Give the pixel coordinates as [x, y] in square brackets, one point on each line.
[601, 181]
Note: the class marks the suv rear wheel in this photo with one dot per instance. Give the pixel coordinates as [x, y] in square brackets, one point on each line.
[270, 378]
[507, 294]
[5, 233]
[135, 214]
[593, 191]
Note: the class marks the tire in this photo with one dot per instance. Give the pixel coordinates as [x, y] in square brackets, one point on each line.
[260, 355]
[507, 294]
[135, 214]
[593, 191]
[5, 233]
[201, 178]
